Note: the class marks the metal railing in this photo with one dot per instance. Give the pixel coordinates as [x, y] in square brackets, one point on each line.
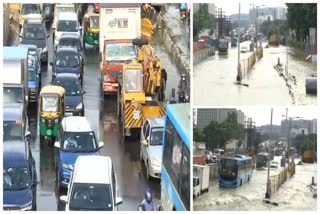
[248, 63]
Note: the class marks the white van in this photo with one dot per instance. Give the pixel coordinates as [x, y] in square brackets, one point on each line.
[93, 185]
[67, 22]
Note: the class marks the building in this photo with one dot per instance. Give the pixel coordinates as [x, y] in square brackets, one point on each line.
[244, 19]
[205, 116]
[278, 13]
[298, 126]
[212, 9]
[195, 8]
[274, 132]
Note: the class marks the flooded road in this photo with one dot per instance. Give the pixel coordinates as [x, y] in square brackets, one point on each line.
[293, 195]
[102, 113]
[214, 80]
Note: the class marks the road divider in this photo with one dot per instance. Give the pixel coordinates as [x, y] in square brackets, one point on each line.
[202, 54]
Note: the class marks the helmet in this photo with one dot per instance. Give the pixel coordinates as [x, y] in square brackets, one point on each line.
[148, 195]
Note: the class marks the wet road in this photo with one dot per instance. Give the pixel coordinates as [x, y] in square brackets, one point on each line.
[215, 78]
[293, 195]
[101, 111]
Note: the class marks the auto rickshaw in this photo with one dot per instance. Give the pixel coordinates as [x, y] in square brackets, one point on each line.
[91, 29]
[51, 111]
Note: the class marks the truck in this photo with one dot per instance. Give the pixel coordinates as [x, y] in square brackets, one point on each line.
[15, 75]
[119, 25]
[201, 177]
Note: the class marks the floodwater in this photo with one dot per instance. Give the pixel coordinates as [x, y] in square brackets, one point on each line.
[214, 80]
[293, 195]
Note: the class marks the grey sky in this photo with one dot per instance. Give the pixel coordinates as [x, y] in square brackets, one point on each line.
[232, 7]
[262, 115]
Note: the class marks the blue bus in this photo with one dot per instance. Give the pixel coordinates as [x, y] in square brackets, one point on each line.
[235, 171]
[175, 168]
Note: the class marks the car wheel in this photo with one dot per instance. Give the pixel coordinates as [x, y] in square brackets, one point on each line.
[141, 158]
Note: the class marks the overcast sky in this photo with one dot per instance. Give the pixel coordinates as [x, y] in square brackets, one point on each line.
[232, 7]
[262, 115]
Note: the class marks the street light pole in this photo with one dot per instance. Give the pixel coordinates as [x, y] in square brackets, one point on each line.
[268, 174]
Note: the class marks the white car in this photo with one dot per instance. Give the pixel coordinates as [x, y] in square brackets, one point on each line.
[274, 164]
[244, 49]
[67, 22]
[59, 8]
[151, 142]
[93, 185]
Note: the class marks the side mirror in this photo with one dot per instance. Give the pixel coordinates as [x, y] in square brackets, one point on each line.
[20, 35]
[48, 35]
[83, 92]
[101, 144]
[51, 63]
[64, 199]
[145, 142]
[118, 201]
[57, 144]
[28, 133]
[80, 28]
[26, 98]
[35, 183]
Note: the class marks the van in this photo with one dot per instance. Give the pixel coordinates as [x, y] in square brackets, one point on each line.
[93, 185]
[67, 22]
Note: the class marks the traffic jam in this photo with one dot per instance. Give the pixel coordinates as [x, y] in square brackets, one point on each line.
[96, 114]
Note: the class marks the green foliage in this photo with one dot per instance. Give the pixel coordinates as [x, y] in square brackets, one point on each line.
[202, 20]
[301, 17]
[305, 142]
[216, 135]
[198, 135]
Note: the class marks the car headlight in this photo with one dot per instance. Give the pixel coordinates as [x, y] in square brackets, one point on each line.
[90, 34]
[27, 206]
[79, 106]
[32, 89]
[45, 49]
[56, 120]
[67, 166]
[57, 38]
[155, 162]
[43, 120]
[78, 75]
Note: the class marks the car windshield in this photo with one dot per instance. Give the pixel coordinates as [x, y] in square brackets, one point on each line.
[123, 51]
[12, 95]
[15, 179]
[50, 104]
[12, 130]
[91, 197]
[59, 10]
[94, 21]
[156, 136]
[31, 74]
[67, 60]
[70, 42]
[79, 142]
[71, 86]
[34, 32]
[67, 26]
[29, 8]
[133, 80]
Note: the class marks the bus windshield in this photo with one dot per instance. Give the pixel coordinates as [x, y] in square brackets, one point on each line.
[229, 169]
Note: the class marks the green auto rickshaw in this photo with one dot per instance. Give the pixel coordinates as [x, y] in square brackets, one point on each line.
[51, 111]
[91, 29]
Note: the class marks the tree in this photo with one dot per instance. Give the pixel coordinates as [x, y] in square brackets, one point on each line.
[201, 19]
[301, 17]
[198, 135]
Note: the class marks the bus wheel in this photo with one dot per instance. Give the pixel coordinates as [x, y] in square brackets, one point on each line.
[248, 178]
[241, 182]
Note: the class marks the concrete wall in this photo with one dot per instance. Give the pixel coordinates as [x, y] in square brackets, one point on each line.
[202, 54]
[180, 59]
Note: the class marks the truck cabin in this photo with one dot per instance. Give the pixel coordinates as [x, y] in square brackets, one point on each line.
[15, 122]
[133, 79]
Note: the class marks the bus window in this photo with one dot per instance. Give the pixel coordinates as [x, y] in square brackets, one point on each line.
[185, 176]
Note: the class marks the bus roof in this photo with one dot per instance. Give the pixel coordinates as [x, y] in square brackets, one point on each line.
[179, 115]
[15, 53]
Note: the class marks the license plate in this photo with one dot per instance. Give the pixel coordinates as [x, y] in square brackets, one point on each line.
[136, 115]
[114, 85]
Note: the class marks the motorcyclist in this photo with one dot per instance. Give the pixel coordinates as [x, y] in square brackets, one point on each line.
[147, 203]
[183, 10]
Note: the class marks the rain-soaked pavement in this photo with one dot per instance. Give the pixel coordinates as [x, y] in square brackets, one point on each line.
[293, 195]
[215, 78]
[101, 111]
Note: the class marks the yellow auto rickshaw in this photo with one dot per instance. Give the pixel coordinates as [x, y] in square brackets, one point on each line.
[51, 111]
[91, 29]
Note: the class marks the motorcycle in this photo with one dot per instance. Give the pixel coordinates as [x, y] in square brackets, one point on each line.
[183, 96]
